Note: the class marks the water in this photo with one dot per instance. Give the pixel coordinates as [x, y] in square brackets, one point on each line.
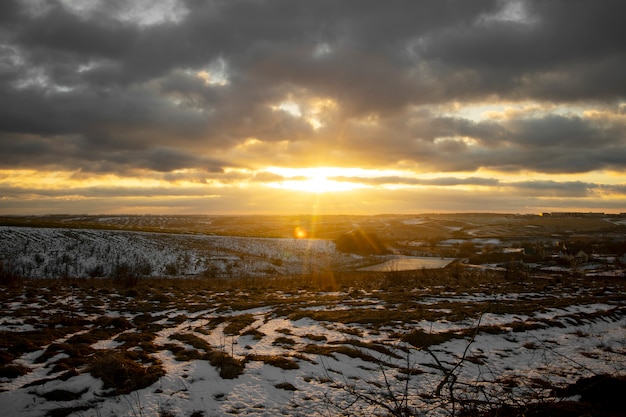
[408, 263]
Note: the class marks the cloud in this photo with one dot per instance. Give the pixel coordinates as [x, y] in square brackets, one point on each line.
[171, 85]
[437, 182]
[554, 188]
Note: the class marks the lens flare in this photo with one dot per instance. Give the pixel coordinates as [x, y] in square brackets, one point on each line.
[300, 233]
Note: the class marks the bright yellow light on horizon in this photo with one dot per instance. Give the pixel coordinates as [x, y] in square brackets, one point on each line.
[318, 184]
[315, 180]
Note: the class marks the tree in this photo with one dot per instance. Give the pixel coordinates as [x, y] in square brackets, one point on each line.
[360, 242]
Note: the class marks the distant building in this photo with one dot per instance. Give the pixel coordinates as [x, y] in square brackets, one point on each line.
[581, 257]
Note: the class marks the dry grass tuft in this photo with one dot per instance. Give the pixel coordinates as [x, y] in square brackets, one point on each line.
[420, 339]
[229, 367]
[316, 337]
[193, 340]
[255, 333]
[238, 323]
[286, 386]
[123, 372]
[18, 343]
[120, 323]
[275, 360]
[13, 371]
[344, 350]
[141, 339]
[283, 341]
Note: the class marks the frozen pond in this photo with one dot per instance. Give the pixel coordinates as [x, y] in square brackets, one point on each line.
[407, 263]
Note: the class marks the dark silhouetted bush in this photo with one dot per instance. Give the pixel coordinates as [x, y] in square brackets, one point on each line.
[360, 242]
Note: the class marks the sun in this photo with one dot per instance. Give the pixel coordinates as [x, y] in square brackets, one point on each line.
[313, 180]
[317, 184]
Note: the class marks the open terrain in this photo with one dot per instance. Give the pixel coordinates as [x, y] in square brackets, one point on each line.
[238, 246]
[328, 339]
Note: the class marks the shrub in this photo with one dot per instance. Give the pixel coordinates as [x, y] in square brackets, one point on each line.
[8, 274]
[361, 242]
[126, 274]
[96, 271]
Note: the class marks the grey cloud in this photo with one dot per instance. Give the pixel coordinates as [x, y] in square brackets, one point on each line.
[439, 182]
[102, 93]
[548, 143]
[617, 189]
[68, 152]
[60, 30]
[554, 188]
[165, 160]
[564, 43]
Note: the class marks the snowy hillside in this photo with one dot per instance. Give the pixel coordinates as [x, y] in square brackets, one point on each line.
[51, 253]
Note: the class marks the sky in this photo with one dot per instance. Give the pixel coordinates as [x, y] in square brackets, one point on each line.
[323, 107]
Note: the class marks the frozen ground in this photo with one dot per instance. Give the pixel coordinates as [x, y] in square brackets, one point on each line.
[55, 252]
[329, 342]
[302, 350]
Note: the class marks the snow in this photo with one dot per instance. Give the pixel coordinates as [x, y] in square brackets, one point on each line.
[574, 340]
[195, 385]
[56, 252]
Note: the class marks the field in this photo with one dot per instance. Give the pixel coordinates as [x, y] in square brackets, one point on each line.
[323, 340]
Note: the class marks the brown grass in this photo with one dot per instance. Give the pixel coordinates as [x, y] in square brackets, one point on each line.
[287, 386]
[327, 350]
[229, 367]
[16, 344]
[402, 294]
[13, 371]
[420, 339]
[238, 323]
[141, 339]
[193, 340]
[278, 361]
[283, 341]
[123, 372]
[255, 333]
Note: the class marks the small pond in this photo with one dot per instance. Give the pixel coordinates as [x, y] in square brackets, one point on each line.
[407, 263]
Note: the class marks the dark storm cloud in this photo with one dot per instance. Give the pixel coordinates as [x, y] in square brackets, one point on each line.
[86, 89]
[548, 143]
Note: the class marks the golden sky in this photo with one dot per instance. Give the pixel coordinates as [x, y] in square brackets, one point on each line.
[350, 107]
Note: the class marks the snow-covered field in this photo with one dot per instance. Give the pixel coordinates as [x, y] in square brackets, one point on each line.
[300, 335]
[54, 252]
[301, 350]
